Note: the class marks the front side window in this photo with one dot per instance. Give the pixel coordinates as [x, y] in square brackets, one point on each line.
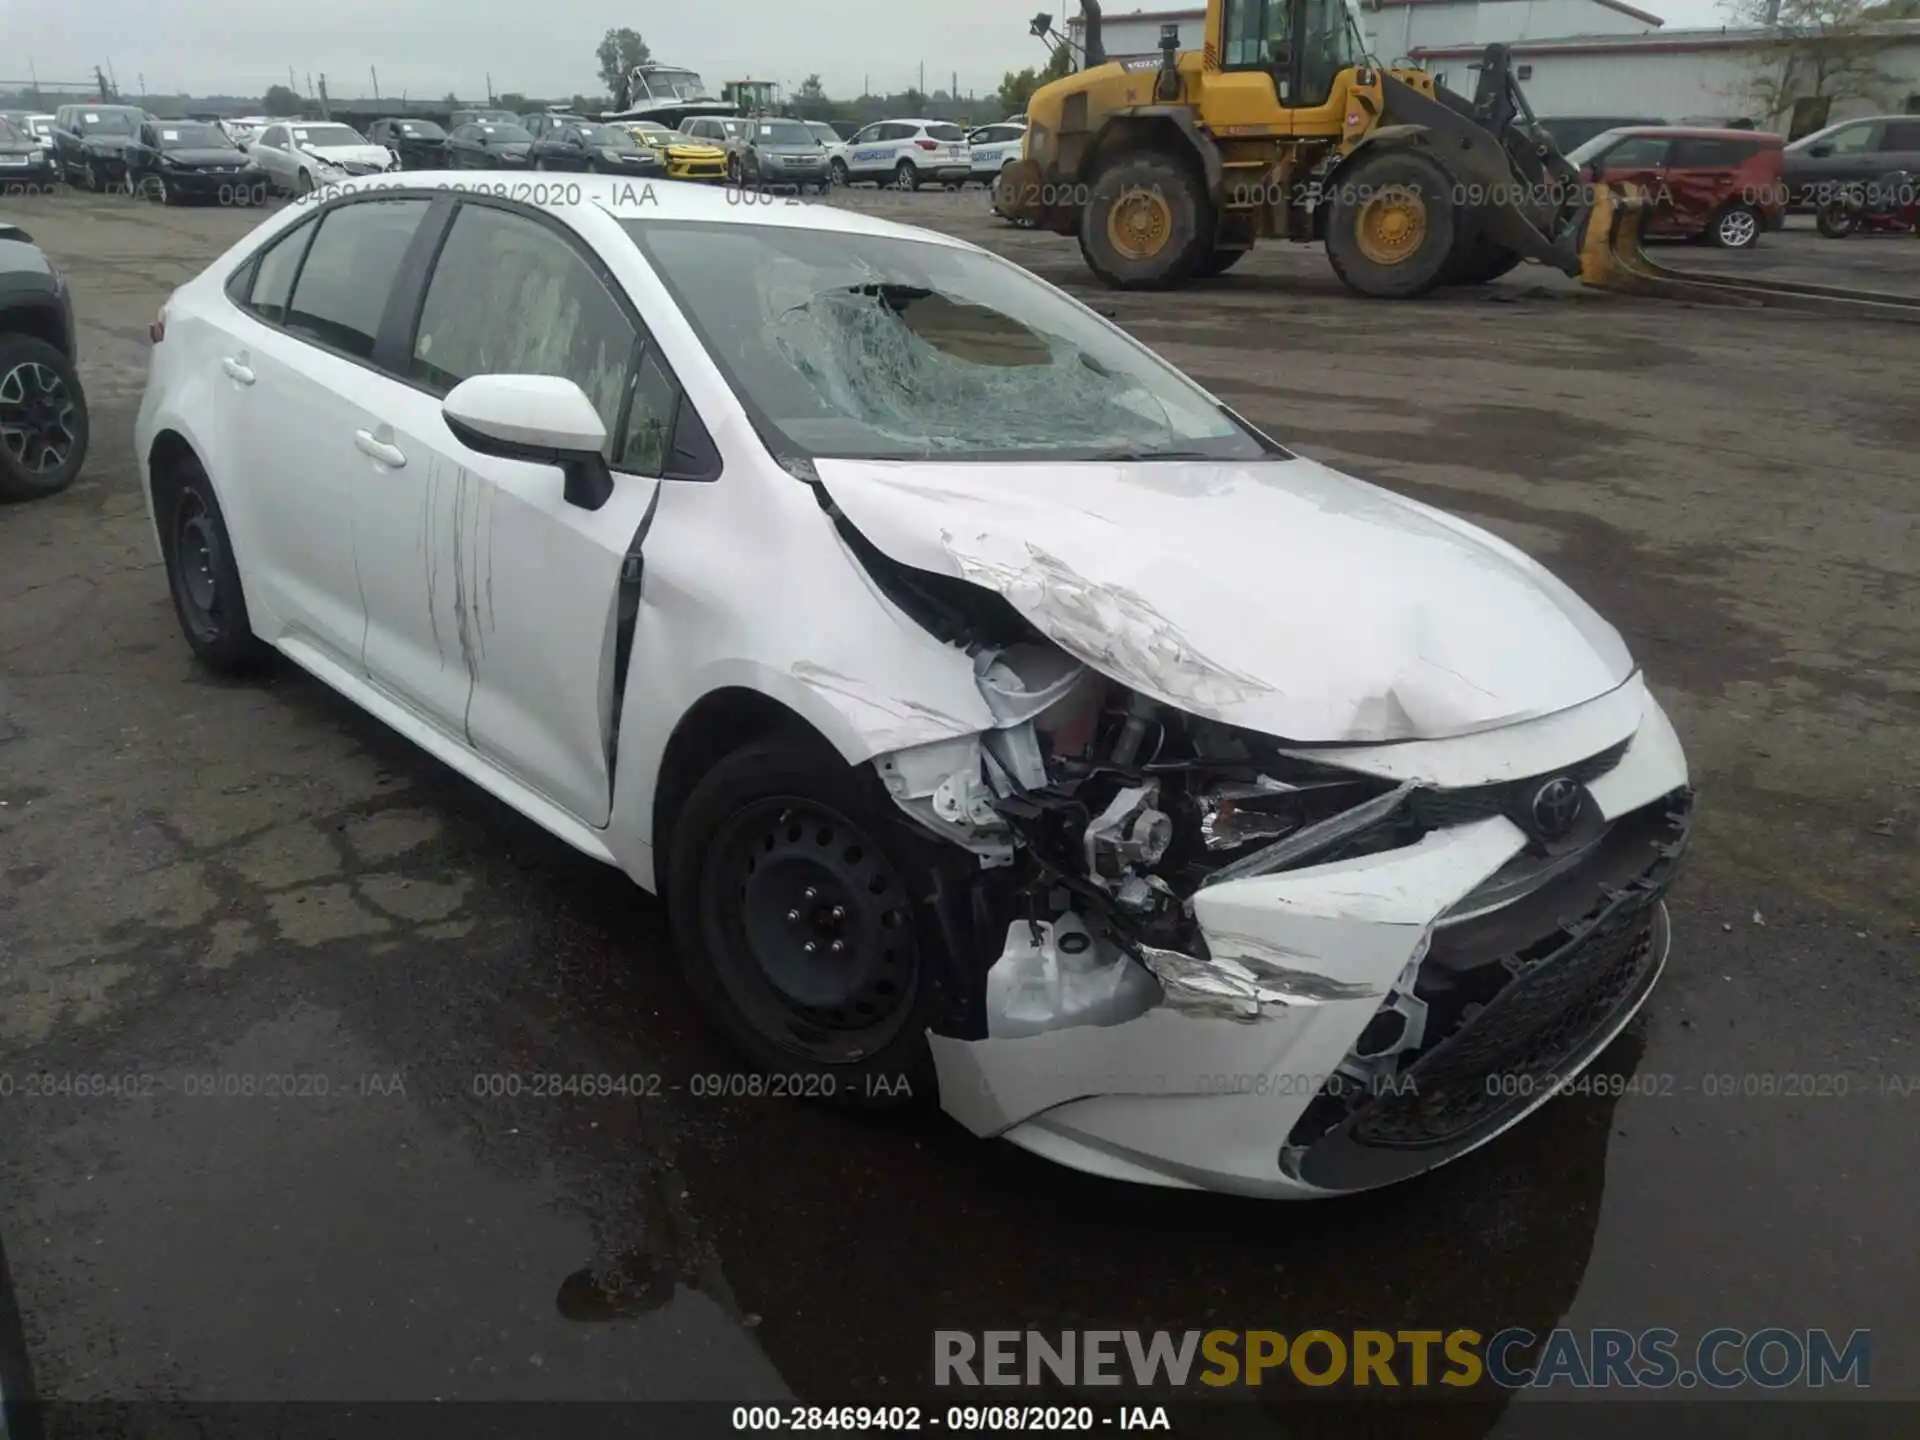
[349, 272]
[1853, 139]
[1703, 152]
[509, 296]
[885, 348]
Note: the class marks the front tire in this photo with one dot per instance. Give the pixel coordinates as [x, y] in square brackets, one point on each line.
[43, 420]
[303, 183]
[1836, 220]
[841, 175]
[96, 182]
[1148, 223]
[1737, 227]
[795, 925]
[202, 575]
[1390, 226]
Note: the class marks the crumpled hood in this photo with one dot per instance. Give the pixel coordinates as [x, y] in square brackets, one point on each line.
[375, 155]
[1280, 596]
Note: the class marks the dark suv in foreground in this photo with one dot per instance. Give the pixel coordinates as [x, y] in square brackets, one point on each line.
[43, 411]
[90, 142]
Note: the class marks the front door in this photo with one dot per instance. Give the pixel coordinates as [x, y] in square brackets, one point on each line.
[489, 579]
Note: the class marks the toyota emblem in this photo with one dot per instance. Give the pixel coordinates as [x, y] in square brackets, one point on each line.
[1556, 805]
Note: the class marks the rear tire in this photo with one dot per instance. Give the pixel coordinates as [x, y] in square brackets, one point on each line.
[1737, 227]
[781, 846]
[1836, 220]
[1390, 227]
[202, 576]
[906, 176]
[1148, 224]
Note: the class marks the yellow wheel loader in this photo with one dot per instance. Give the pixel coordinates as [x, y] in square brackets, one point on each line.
[1282, 126]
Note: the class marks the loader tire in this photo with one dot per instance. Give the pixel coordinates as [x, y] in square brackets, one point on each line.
[1482, 261]
[1147, 224]
[1390, 228]
[1216, 262]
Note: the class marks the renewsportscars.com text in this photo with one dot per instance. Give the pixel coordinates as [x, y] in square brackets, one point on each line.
[1771, 1358]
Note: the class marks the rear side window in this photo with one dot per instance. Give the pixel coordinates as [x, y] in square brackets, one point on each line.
[1901, 135]
[1702, 151]
[945, 132]
[349, 272]
[509, 296]
[273, 277]
[1636, 151]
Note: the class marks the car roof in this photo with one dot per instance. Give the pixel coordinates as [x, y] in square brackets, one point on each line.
[1696, 132]
[670, 200]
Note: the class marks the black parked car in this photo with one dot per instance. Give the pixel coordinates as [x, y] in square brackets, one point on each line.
[24, 163]
[176, 160]
[545, 122]
[602, 149]
[420, 144]
[489, 145]
[43, 410]
[782, 152]
[90, 142]
[475, 117]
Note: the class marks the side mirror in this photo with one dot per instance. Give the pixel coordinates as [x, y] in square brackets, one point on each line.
[541, 419]
[1820, 151]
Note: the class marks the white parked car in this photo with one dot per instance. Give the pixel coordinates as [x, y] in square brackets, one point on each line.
[300, 155]
[243, 130]
[993, 146]
[889, 612]
[906, 153]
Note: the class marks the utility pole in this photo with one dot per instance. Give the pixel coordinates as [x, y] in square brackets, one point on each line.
[489, 87]
[325, 114]
[922, 86]
[141, 76]
[371, 70]
[293, 85]
[36, 81]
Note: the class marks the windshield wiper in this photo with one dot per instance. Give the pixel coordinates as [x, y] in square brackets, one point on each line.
[1128, 457]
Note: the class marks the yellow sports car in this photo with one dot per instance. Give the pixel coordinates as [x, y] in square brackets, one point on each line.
[684, 157]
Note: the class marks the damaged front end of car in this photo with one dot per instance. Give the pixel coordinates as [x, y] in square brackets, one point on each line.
[1194, 954]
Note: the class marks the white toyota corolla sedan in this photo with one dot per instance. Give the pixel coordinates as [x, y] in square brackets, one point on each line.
[998, 713]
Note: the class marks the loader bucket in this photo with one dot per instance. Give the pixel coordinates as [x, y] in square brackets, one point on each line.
[1612, 258]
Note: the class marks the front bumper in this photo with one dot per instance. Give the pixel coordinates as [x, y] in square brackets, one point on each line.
[1251, 1073]
[697, 167]
[216, 184]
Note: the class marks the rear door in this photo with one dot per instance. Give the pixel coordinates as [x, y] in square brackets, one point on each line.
[1898, 148]
[1642, 160]
[302, 385]
[1703, 177]
[485, 585]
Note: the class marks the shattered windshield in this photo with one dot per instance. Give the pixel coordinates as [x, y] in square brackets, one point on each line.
[874, 347]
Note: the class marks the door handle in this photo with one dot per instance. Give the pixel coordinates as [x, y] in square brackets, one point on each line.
[389, 455]
[237, 369]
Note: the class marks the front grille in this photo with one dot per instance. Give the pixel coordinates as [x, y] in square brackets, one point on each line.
[1514, 1000]
[1443, 809]
[1510, 1049]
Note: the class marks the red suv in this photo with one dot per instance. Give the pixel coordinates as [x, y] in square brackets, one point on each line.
[1722, 186]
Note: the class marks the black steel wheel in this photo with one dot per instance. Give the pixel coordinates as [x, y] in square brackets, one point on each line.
[796, 927]
[202, 575]
[43, 419]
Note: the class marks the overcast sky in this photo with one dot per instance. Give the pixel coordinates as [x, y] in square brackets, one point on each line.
[428, 47]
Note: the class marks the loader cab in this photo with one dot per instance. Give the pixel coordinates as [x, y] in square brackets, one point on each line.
[1301, 45]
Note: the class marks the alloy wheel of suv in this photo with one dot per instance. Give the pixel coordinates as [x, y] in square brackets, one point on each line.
[841, 175]
[43, 420]
[905, 176]
[1738, 228]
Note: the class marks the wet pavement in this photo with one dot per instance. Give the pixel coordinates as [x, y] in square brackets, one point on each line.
[207, 888]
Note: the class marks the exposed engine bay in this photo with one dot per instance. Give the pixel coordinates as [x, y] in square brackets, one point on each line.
[1438, 933]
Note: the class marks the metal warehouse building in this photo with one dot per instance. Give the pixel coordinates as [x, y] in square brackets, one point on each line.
[1575, 57]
